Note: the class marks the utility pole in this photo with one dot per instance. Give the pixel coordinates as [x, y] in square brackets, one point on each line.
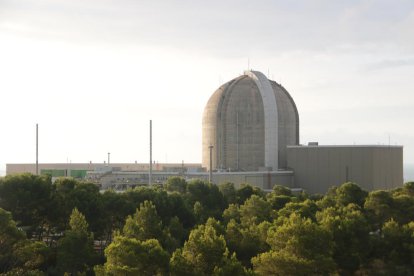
[37, 149]
[109, 158]
[210, 177]
[150, 161]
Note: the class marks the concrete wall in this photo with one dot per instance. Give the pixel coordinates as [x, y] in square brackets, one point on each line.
[263, 180]
[31, 168]
[288, 122]
[317, 168]
[233, 123]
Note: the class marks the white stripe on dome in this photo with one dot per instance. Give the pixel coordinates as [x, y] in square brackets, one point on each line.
[270, 118]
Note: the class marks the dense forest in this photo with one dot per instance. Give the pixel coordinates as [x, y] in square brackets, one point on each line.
[197, 228]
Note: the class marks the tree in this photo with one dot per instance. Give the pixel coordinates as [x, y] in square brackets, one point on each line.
[300, 243]
[255, 210]
[9, 237]
[246, 191]
[200, 212]
[130, 256]
[350, 231]
[246, 241]
[208, 195]
[403, 208]
[178, 207]
[350, 193]
[280, 190]
[176, 184]
[229, 192]
[204, 252]
[231, 267]
[27, 196]
[75, 251]
[278, 201]
[282, 263]
[145, 224]
[232, 212]
[31, 256]
[307, 209]
[379, 207]
[398, 247]
[115, 210]
[67, 194]
[17, 253]
[177, 230]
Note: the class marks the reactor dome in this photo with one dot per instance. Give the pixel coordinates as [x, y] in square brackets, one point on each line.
[249, 121]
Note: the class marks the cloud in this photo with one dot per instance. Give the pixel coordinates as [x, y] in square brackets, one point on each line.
[223, 28]
[390, 64]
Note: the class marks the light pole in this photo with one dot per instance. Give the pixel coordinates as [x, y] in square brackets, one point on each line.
[150, 161]
[210, 177]
[37, 149]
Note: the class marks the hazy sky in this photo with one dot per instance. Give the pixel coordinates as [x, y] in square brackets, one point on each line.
[93, 73]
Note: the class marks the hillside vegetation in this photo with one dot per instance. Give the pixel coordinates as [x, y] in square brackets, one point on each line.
[198, 228]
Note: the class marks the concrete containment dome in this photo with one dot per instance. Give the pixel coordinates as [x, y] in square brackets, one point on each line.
[249, 121]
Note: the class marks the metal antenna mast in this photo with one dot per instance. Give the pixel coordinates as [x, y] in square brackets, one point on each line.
[150, 162]
[37, 149]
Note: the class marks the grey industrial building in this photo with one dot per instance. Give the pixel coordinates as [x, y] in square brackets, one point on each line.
[251, 124]
[250, 134]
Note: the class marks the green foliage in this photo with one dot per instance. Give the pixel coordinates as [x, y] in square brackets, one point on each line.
[350, 193]
[177, 230]
[68, 194]
[246, 191]
[232, 212]
[209, 196]
[9, 237]
[75, 250]
[403, 208]
[282, 263]
[246, 241]
[207, 229]
[114, 212]
[200, 212]
[300, 240]
[306, 209]
[204, 252]
[31, 256]
[398, 245]
[229, 192]
[77, 222]
[279, 190]
[130, 256]
[27, 196]
[350, 231]
[145, 224]
[379, 207]
[176, 184]
[278, 201]
[255, 210]
[18, 254]
[231, 267]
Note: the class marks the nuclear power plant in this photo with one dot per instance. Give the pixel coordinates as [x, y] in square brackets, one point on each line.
[251, 126]
[249, 121]
[250, 134]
